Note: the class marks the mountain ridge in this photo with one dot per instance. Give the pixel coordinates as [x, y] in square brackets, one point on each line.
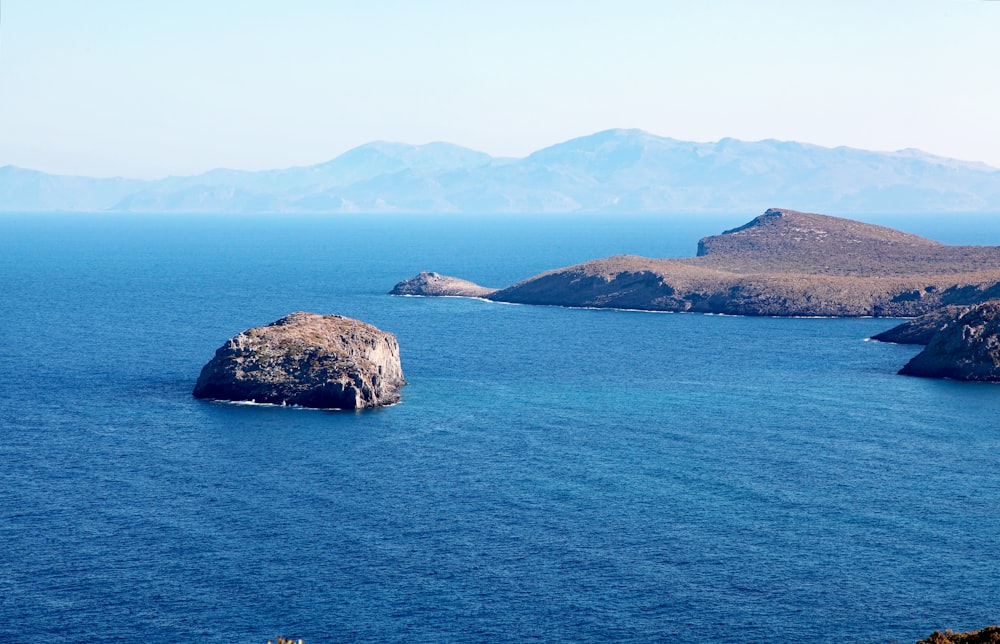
[616, 170]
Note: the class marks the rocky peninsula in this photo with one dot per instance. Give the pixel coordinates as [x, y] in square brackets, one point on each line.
[921, 329]
[782, 263]
[305, 359]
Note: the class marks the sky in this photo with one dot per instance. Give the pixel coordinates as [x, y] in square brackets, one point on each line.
[150, 89]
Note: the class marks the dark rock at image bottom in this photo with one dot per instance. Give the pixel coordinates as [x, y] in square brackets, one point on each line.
[306, 359]
[988, 635]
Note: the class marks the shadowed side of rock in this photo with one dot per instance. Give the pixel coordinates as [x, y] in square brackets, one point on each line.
[921, 329]
[305, 359]
[968, 349]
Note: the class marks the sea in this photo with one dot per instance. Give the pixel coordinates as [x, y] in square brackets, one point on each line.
[551, 474]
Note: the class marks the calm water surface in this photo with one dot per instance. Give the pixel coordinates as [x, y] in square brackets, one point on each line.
[551, 474]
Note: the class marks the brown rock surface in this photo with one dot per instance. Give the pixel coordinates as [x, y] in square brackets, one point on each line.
[988, 635]
[787, 241]
[322, 361]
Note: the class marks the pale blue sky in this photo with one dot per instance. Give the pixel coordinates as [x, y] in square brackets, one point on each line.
[145, 89]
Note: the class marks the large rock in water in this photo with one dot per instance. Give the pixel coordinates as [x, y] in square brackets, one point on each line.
[322, 361]
[968, 349]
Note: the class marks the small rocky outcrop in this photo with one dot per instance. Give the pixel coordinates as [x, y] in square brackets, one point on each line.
[305, 359]
[921, 329]
[437, 285]
[986, 635]
[968, 349]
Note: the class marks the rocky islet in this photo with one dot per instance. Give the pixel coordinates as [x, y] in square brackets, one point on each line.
[309, 360]
[429, 284]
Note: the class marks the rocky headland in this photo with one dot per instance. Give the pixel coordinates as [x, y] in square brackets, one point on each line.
[782, 263]
[961, 342]
[305, 359]
[921, 329]
[966, 347]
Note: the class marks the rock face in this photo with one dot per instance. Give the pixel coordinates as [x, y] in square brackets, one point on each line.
[434, 284]
[783, 263]
[921, 329]
[968, 349]
[321, 361]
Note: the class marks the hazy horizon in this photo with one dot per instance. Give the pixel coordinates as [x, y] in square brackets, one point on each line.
[501, 158]
[112, 88]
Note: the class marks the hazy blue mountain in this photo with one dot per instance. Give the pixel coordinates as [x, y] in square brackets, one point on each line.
[614, 170]
[280, 190]
[30, 191]
[199, 199]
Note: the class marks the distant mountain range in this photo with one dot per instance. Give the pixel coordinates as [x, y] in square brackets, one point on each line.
[628, 171]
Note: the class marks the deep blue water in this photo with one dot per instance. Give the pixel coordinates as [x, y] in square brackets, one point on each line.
[551, 474]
